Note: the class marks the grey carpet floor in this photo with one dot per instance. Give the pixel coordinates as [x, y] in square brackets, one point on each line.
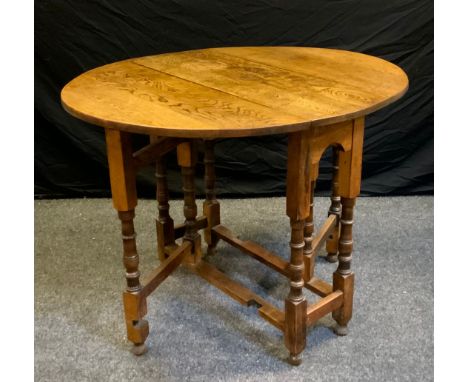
[199, 334]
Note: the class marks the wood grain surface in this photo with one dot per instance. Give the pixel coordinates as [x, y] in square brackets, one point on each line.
[234, 92]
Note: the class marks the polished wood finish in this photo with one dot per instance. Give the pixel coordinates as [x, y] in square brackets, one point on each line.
[121, 170]
[340, 133]
[131, 258]
[346, 237]
[134, 301]
[302, 173]
[187, 158]
[326, 230]
[211, 208]
[350, 163]
[298, 191]
[342, 315]
[234, 92]
[328, 304]
[269, 258]
[309, 258]
[158, 147]
[135, 309]
[164, 223]
[319, 286]
[169, 265]
[319, 97]
[343, 278]
[253, 249]
[201, 222]
[240, 293]
[295, 303]
[122, 179]
[309, 227]
[335, 209]
[298, 177]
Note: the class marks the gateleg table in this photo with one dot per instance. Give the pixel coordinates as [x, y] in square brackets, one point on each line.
[318, 97]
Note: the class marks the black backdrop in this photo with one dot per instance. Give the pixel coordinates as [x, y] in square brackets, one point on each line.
[75, 36]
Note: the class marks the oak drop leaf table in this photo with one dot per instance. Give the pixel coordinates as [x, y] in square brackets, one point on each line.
[319, 97]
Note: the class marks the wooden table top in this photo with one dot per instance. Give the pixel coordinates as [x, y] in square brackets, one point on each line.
[234, 92]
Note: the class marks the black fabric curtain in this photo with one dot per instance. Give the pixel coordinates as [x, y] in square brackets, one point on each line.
[74, 36]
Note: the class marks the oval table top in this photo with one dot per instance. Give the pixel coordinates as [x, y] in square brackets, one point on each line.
[234, 92]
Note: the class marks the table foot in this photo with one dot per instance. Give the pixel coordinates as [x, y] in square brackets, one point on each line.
[139, 349]
[295, 359]
[332, 257]
[341, 330]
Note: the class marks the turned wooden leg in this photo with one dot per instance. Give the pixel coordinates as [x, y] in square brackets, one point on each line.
[343, 278]
[296, 304]
[309, 258]
[164, 222]
[298, 209]
[186, 158]
[134, 303]
[350, 164]
[335, 209]
[122, 179]
[211, 207]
